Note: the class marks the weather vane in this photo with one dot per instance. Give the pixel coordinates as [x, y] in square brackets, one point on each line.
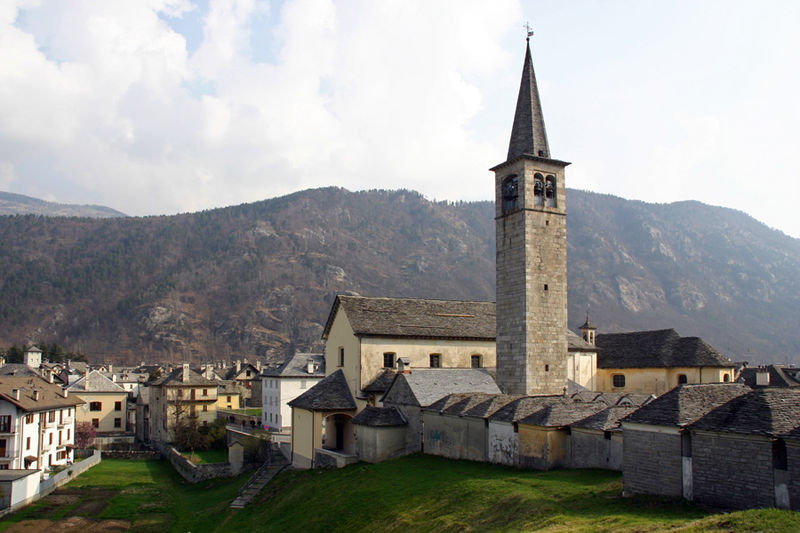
[529, 29]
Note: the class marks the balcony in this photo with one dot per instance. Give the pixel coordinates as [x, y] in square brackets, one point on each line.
[66, 421]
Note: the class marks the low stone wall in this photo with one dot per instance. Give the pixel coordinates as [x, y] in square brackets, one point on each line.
[131, 455]
[56, 480]
[195, 473]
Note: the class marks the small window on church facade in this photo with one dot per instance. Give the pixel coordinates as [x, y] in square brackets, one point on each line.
[388, 360]
[476, 361]
[726, 378]
[550, 191]
[436, 360]
[538, 189]
[618, 380]
[341, 356]
[510, 192]
[682, 379]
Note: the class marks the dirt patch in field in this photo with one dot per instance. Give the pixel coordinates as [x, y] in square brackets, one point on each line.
[75, 524]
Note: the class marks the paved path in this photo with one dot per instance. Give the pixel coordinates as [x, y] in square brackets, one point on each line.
[259, 479]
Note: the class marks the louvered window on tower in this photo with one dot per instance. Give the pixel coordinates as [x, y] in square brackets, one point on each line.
[550, 191]
[510, 192]
[538, 189]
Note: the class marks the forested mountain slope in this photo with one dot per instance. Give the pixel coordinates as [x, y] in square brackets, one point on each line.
[259, 278]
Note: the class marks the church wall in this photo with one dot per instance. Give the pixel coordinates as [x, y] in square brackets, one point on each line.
[454, 353]
[376, 444]
[454, 437]
[503, 444]
[341, 335]
[590, 449]
[582, 369]
[658, 380]
[306, 436]
[651, 460]
[413, 416]
[543, 448]
[793, 464]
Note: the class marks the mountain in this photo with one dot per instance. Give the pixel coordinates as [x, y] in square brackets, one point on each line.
[259, 278]
[18, 204]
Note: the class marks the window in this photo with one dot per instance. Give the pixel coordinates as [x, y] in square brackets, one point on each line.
[436, 360]
[95, 406]
[51, 416]
[229, 399]
[67, 433]
[550, 191]
[538, 189]
[388, 360]
[96, 422]
[341, 356]
[117, 422]
[476, 361]
[51, 438]
[59, 438]
[726, 378]
[29, 419]
[681, 379]
[618, 380]
[510, 192]
[118, 406]
[205, 408]
[5, 423]
[205, 392]
[28, 443]
[248, 374]
[180, 393]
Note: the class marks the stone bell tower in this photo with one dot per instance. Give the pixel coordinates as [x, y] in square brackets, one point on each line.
[531, 249]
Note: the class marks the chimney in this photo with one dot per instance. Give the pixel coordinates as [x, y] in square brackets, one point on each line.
[310, 366]
[404, 365]
[110, 369]
[258, 365]
[238, 366]
[50, 377]
[185, 373]
[35, 395]
[66, 392]
[114, 378]
[762, 377]
[15, 392]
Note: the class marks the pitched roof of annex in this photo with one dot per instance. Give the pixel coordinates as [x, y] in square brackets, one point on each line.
[662, 348]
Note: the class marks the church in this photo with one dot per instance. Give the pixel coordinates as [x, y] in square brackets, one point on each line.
[389, 361]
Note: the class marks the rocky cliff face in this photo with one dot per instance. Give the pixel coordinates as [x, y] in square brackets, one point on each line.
[259, 278]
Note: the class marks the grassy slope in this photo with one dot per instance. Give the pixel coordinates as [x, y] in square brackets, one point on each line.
[416, 493]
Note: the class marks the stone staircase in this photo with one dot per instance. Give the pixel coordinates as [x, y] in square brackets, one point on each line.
[275, 464]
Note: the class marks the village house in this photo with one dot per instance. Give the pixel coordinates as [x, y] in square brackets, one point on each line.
[654, 362]
[181, 397]
[105, 407]
[37, 424]
[281, 385]
[247, 377]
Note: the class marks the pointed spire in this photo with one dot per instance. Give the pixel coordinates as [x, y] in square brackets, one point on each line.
[528, 135]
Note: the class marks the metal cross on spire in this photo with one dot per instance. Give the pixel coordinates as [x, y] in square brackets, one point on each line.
[529, 29]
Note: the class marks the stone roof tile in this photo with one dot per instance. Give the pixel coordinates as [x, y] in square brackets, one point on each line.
[379, 417]
[656, 349]
[686, 404]
[330, 394]
[760, 412]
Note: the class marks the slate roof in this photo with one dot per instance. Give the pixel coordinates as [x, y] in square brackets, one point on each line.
[759, 412]
[379, 417]
[415, 317]
[605, 420]
[686, 404]
[575, 343]
[523, 407]
[562, 413]
[175, 379]
[381, 382]
[330, 394]
[528, 135]
[779, 376]
[94, 381]
[424, 386]
[17, 369]
[656, 349]
[50, 395]
[297, 367]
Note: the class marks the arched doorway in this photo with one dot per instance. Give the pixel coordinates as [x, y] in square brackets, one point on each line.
[339, 433]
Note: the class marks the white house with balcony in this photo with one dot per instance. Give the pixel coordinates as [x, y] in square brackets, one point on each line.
[279, 386]
[37, 424]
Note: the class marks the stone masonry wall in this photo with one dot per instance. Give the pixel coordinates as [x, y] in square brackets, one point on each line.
[531, 275]
[651, 463]
[793, 460]
[732, 472]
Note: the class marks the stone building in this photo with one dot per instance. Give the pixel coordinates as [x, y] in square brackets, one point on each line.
[106, 407]
[281, 385]
[656, 447]
[181, 397]
[739, 458]
[653, 362]
[531, 254]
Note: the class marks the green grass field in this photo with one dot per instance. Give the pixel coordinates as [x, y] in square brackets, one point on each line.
[216, 455]
[416, 493]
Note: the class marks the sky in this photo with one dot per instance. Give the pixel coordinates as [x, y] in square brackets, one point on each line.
[165, 106]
